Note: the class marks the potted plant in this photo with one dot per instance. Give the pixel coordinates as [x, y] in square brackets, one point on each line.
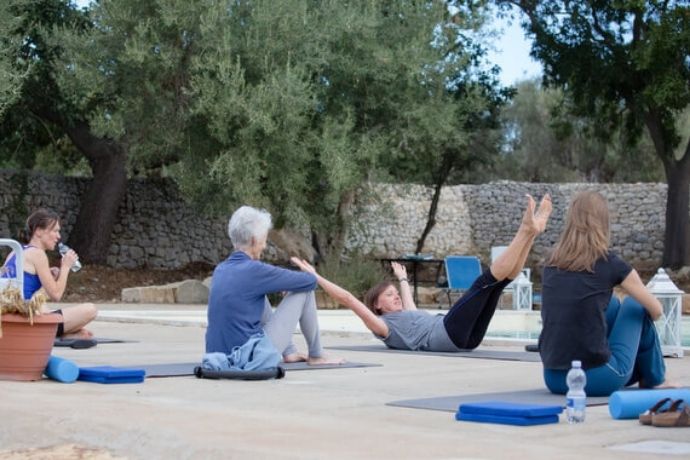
[26, 336]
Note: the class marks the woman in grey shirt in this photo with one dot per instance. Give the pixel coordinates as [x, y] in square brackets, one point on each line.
[393, 316]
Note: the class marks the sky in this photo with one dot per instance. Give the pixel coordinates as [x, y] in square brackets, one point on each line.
[512, 54]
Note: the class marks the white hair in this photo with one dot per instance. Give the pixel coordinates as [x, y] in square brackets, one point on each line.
[247, 223]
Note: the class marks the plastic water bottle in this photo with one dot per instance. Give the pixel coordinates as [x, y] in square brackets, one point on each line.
[63, 248]
[576, 399]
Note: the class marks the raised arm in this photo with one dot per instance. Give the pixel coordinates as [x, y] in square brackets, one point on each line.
[345, 298]
[400, 273]
[634, 286]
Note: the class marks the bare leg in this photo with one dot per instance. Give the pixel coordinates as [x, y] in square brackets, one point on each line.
[75, 318]
[509, 264]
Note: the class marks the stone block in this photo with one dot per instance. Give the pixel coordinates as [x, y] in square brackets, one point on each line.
[148, 294]
[191, 291]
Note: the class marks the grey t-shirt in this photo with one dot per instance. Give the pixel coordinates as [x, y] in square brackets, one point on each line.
[416, 330]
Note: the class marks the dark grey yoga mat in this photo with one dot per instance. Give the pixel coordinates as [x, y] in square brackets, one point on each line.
[480, 353]
[60, 342]
[182, 369]
[451, 403]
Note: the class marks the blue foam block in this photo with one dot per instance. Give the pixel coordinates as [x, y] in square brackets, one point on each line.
[61, 369]
[505, 420]
[109, 374]
[507, 409]
[626, 404]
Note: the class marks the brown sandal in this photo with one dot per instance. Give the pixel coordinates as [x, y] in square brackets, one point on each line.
[646, 417]
[677, 415]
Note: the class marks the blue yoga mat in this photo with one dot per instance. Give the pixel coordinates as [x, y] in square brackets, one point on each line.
[508, 413]
[109, 374]
[509, 409]
[628, 404]
[503, 420]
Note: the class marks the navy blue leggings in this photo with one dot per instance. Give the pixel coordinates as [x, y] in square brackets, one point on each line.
[467, 321]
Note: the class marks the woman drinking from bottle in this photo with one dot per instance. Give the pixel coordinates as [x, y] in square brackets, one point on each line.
[42, 233]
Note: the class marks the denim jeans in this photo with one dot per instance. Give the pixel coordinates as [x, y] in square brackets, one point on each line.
[635, 354]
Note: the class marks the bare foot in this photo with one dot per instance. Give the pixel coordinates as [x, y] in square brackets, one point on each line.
[294, 358]
[80, 334]
[542, 216]
[528, 218]
[324, 360]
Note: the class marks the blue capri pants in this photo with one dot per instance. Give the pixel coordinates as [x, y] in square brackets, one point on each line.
[636, 355]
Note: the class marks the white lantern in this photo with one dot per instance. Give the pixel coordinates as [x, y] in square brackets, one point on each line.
[522, 293]
[669, 325]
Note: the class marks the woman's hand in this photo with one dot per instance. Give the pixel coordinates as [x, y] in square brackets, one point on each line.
[68, 259]
[399, 270]
[303, 265]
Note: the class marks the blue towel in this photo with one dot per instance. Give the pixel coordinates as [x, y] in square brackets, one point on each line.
[256, 354]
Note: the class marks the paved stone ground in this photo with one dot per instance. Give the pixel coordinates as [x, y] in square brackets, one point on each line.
[338, 413]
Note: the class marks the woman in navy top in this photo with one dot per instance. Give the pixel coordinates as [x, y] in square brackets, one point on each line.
[617, 344]
[238, 308]
[43, 234]
[392, 315]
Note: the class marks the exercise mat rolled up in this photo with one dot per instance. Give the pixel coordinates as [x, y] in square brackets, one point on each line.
[627, 404]
[61, 369]
[273, 373]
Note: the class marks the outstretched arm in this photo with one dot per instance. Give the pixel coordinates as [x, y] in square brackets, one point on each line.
[634, 286]
[344, 297]
[400, 273]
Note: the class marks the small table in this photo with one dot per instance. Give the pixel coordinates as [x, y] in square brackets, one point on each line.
[416, 260]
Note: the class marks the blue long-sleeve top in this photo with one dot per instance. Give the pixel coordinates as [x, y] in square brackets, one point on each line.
[238, 295]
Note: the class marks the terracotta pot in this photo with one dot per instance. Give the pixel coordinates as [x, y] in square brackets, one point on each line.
[25, 348]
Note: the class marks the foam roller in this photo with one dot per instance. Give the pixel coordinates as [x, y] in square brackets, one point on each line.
[627, 404]
[61, 369]
[274, 373]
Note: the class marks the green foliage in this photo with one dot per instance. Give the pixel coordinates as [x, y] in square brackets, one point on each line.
[288, 105]
[357, 273]
[627, 54]
[11, 78]
[545, 142]
[305, 101]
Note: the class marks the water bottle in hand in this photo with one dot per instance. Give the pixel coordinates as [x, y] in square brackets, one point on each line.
[63, 248]
[576, 398]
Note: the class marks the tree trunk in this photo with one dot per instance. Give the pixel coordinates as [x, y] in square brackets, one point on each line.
[431, 217]
[677, 232]
[92, 232]
[329, 245]
[442, 176]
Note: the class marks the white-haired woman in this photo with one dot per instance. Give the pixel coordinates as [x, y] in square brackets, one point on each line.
[238, 308]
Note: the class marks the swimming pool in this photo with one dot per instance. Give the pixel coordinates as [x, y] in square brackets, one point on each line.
[527, 326]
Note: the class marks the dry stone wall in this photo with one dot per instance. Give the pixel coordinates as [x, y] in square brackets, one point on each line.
[157, 229]
[473, 218]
